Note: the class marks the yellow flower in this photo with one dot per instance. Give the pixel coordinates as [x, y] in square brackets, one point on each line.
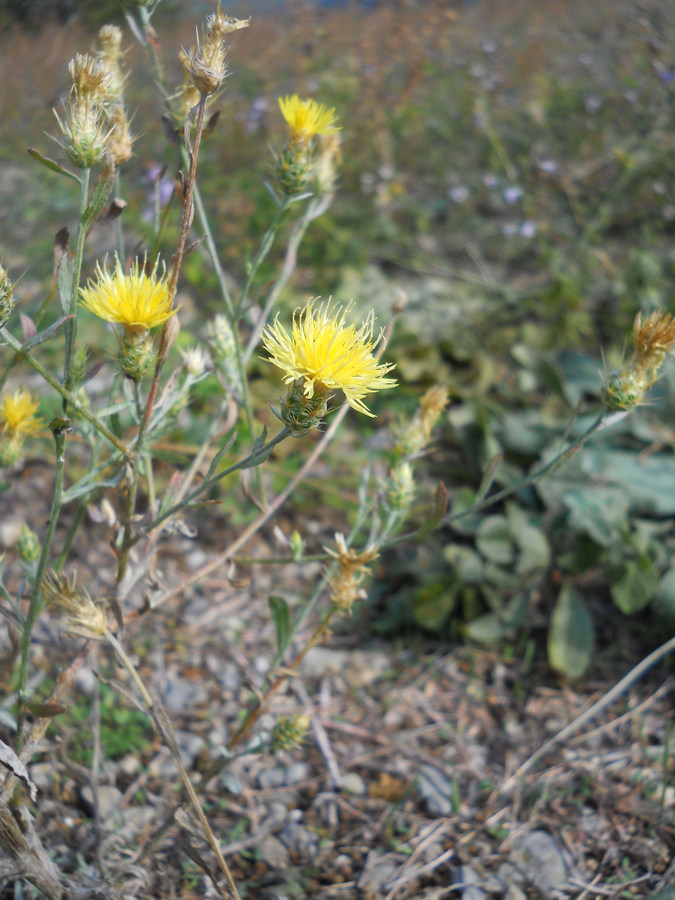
[17, 413]
[325, 353]
[306, 118]
[134, 299]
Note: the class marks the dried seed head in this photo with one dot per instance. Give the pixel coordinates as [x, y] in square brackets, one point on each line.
[77, 607]
[327, 161]
[653, 340]
[205, 63]
[91, 80]
[416, 434]
[352, 568]
[120, 139]
[110, 54]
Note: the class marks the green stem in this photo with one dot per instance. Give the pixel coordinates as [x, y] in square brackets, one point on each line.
[527, 480]
[263, 250]
[69, 399]
[71, 324]
[35, 603]
[253, 459]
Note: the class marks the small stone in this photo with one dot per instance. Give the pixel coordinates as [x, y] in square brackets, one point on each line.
[376, 874]
[196, 558]
[297, 772]
[352, 783]
[108, 800]
[129, 765]
[274, 853]
[513, 892]
[301, 843]
[435, 788]
[181, 694]
[324, 661]
[268, 779]
[539, 859]
[471, 879]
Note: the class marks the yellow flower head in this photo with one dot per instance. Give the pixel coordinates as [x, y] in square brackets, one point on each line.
[135, 299]
[326, 353]
[307, 118]
[17, 413]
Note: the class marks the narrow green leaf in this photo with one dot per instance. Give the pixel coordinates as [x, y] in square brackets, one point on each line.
[51, 164]
[570, 636]
[45, 335]
[282, 622]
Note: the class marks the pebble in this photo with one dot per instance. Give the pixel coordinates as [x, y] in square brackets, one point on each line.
[181, 694]
[471, 879]
[540, 860]
[352, 783]
[268, 779]
[273, 852]
[108, 799]
[297, 772]
[301, 842]
[435, 789]
[376, 874]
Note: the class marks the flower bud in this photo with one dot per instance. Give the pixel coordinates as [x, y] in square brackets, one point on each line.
[289, 732]
[29, 545]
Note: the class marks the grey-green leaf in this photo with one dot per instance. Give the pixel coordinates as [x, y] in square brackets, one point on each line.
[282, 622]
[570, 636]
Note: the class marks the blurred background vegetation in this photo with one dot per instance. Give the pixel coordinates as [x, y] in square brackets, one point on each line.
[508, 172]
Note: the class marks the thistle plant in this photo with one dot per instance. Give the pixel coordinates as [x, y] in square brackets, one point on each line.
[107, 451]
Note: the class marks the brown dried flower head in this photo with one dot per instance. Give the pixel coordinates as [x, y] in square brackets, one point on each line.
[415, 436]
[653, 340]
[352, 568]
[205, 63]
[78, 609]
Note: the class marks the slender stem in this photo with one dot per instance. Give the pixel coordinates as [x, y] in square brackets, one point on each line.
[253, 713]
[560, 459]
[165, 729]
[69, 399]
[314, 209]
[35, 603]
[71, 324]
[127, 539]
[263, 250]
[253, 459]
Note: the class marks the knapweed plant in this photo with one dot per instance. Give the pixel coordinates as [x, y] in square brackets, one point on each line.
[106, 442]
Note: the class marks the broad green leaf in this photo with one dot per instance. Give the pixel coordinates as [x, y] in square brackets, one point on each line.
[466, 562]
[663, 603]
[486, 629]
[599, 512]
[433, 604]
[570, 636]
[535, 552]
[633, 584]
[282, 622]
[547, 371]
[493, 539]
